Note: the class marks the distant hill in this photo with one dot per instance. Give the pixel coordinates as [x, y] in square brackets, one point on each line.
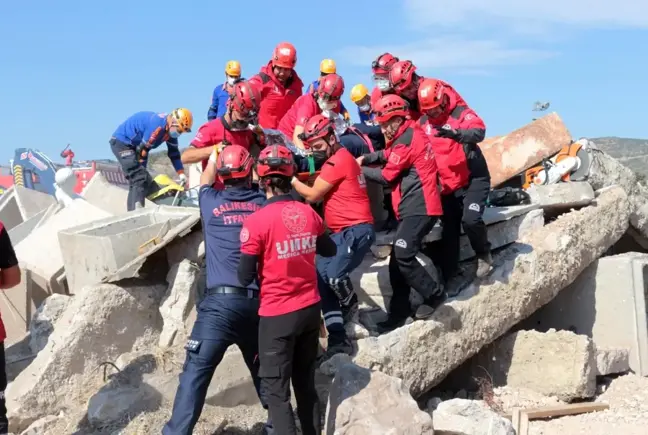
[633, 153]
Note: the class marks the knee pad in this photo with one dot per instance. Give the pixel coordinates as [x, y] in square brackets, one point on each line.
[343, 289]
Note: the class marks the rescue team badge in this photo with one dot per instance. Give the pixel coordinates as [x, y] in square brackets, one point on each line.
[294, 218]
[245, 235]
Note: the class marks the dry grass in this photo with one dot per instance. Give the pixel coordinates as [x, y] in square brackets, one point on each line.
[485, 391]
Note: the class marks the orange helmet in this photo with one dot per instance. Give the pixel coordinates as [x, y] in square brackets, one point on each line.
[430, 94]
[389, 106]
[234, 162]
[401, 75]
[275, 160]
[317, 127]
[182, 119]
[284, 55]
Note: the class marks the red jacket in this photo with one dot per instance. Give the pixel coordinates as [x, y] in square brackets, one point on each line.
[276, 98]
[7, 259]
[304, 108]
[410, 166]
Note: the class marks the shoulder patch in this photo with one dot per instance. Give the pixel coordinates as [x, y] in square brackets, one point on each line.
[394, 158]
[245, 235]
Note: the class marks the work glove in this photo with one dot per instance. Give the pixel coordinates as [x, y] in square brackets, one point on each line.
[182, 180]
[448, 132]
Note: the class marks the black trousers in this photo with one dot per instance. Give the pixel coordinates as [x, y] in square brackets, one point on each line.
[405, 272]
[288, 346]
[4, 423]
[464, 207]
[140, 182]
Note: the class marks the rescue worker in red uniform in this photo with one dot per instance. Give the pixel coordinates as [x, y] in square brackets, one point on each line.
[458, 129]
[10, 276]
[380, 68]
[347, 214]
[410, 167]
[279, 84]
[281, 240]
[405, 82]
[326, 99]
[233, 128]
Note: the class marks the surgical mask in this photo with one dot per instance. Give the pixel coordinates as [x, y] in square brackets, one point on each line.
[231, 81]
[326, 105]
[382, 84]
[365, 107]
[173, 133]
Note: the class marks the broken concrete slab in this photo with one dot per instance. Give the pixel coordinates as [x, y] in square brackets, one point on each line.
[555, 363]
[19, 203]
[526, 276]
[20, 232]
[469, 417]
[178, 302]
[93, 251]
[612, 361]
[507, 156]
[42, 324]
[561, 197]
[362, 402]
[107, 196]
[101, 323]
[607, 302]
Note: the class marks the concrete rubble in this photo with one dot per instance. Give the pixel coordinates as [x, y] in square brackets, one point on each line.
[469, 417]
[556, 363]
[527, 276]
[97, 328]
[362, 402]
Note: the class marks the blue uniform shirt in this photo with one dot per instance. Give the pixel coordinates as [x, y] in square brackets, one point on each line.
[149, 129]
[219, 102]
[364, 116]
[223, 213]
[313, 87]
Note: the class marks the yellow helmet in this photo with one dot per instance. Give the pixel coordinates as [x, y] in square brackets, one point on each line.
[233, 68]
[183, 119]
[327, 66]
[358, 92]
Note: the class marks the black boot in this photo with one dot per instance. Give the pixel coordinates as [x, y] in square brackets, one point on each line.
[430, 305]
[338, 342]
[392, 322]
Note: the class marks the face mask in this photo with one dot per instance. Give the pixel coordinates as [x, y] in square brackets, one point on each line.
[382, 84]
[365, 107]
[231, 81]
[320, 157]
[326, 105]
[173, 133]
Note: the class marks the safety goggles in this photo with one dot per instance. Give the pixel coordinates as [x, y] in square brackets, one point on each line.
[276, 162]
[227, 171]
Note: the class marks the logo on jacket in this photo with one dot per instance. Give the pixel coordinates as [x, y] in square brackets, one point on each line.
[294, 218]
[469, 117]
[245, 235]
[474, 207]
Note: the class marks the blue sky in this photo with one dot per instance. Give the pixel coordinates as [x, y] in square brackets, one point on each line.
[73, 70]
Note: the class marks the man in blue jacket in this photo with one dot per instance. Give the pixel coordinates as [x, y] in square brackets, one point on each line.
[228, 314]
[222, 92]
[136, 137]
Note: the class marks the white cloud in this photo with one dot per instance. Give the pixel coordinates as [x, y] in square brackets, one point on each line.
[516, 14]
[459, 54]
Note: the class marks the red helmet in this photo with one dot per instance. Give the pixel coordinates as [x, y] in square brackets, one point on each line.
[245, 98]
[389, 106]
[275, 160]
[331, 87]
[383, 63]
[430, 94]
[284, 55]
[317, 127]
[401, 75]
[234, 161]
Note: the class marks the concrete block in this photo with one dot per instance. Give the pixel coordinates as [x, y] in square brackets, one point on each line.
[526, 276]
[612, 361]
[107, 196]
[95, 250]
[607, 303]
[509, 155]
[556, 363]
[19, 204]
[40, 250]
[20, 232]
[562, 196]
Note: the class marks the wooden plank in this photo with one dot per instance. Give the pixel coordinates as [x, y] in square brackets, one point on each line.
[561, 410]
